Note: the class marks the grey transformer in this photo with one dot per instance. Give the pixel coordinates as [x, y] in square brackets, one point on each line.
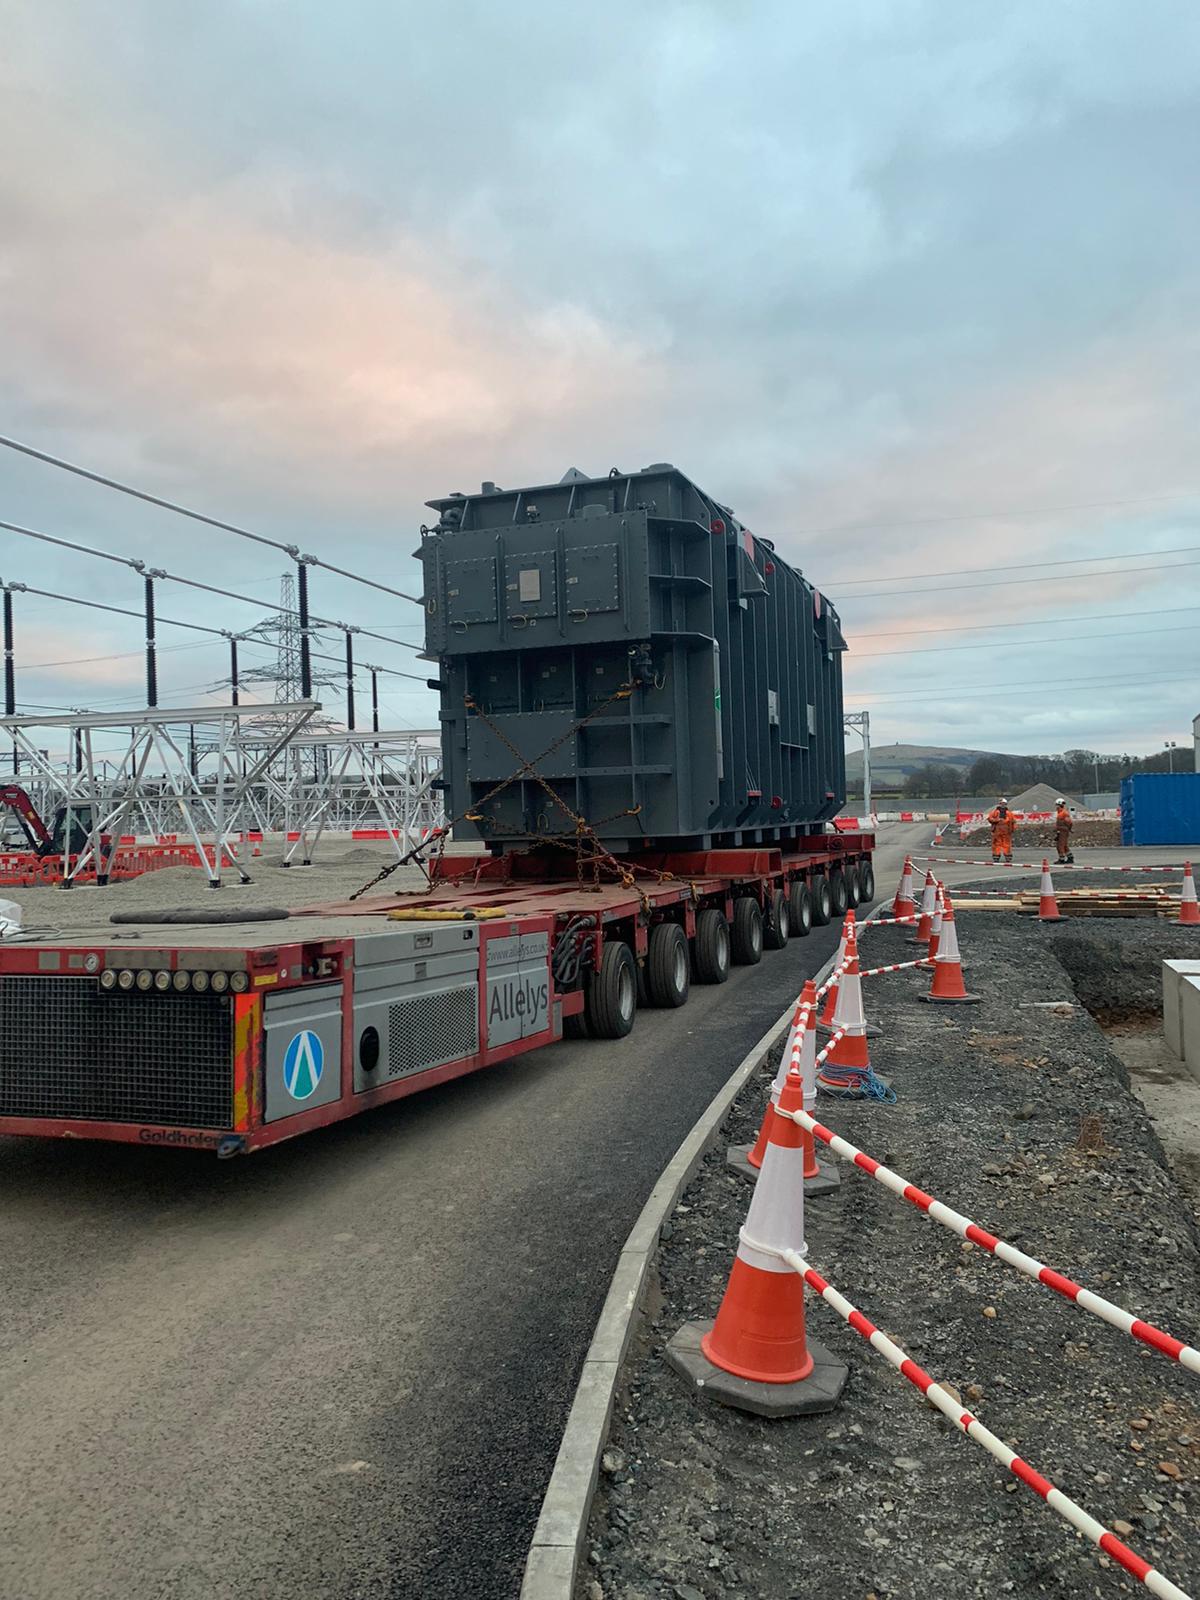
[544, 603]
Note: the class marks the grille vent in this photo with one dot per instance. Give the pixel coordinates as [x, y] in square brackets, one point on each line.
[67, 1050]
[432, 1029]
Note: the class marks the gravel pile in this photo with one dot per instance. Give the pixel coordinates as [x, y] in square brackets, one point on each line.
[1018, 1113]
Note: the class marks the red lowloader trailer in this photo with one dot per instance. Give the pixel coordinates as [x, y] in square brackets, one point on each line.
[232, 1037]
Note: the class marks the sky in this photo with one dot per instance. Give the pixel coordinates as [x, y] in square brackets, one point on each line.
[913, 287]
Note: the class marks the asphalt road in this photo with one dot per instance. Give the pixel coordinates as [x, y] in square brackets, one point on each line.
[341, 1367]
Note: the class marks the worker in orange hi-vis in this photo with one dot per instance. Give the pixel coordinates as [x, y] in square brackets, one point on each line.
[1003, 822]
[1062, 833]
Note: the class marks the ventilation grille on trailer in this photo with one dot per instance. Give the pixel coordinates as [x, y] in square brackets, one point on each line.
[69, 1051]
[432, 1029]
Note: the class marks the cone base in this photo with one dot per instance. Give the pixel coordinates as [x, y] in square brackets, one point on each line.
[820, 1391]
[828, 1178]
[1057, 917]
[829, 1030]
[952, 999]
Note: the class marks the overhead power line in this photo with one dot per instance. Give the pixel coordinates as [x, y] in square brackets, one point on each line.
[142, 569]
[1005, 583]
[1020, 566]
[1013, 515]
[1026, 622]
[1047, 686]
[1015, 644]
[199, 516]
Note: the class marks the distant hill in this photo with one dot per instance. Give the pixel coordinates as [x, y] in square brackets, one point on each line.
[891, 764]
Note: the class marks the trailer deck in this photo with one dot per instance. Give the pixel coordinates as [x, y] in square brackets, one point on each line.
[233, 1036]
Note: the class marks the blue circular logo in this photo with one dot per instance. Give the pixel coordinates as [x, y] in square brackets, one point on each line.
[303, 1064]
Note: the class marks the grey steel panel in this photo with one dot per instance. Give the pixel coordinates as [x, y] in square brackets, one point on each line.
[528, 734]
[518, 988]
[418, 1024]
[302, 1049]
[414, 939]
[593, 577]
[530, 584]
[471, 590]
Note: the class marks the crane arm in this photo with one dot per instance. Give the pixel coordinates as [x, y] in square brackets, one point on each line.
[34, 829]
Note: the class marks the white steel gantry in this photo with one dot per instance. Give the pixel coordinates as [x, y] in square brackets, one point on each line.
[124, 792]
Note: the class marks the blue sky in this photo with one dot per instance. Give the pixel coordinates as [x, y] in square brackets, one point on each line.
[911, 286]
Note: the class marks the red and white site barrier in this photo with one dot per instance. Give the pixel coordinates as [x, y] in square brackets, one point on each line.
[1036, 866]
[1187, 1355]
[966, 1422]
[896, 966]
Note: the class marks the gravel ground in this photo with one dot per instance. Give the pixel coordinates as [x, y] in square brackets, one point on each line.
[337, 871]
[883, 1498]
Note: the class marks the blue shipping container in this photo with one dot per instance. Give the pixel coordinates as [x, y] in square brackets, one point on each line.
[1160, 808]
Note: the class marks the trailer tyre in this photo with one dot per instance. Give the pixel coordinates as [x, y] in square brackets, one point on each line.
[576, 1027]
[839, 893]
[853, 886]
[712, 953]
[866, 874]
[800, 909]
[822, 903]
[747, 932]
[779, 922]
[612, 993]
[668, 973]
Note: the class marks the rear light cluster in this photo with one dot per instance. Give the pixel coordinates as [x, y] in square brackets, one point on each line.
[180, 981]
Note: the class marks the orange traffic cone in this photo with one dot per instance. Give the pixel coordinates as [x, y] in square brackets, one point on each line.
[1047, 903]
[1189, 909]
[756, 1355]
[904, 905]
[805, 1010]
[825, 1021]
[935, 928]
[948, 987]
[850, 1019]
[928, 906]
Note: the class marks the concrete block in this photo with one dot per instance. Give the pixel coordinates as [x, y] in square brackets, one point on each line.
[1173, 974]
[1189, 1023]
[819, 1392]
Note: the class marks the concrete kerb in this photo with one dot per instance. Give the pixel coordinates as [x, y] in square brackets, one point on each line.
[552, 1563]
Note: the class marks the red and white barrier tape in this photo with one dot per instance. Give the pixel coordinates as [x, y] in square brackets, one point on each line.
[823, 1054]
[1187, 1355]
[966, 1422]
[838, 972]
[1036, 866]
[896, 966]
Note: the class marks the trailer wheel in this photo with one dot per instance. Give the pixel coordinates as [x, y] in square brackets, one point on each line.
[853, 886]
[800, 909]
[612, 993]
[866, 876]
[822, 902]
[839, 893]
[779, 922]
[711, 948]
[747, 932]
[668, 975]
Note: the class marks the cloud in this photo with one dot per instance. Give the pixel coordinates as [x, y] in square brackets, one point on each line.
[873, 264]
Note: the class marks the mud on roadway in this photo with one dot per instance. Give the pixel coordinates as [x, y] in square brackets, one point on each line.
[1021, 1113]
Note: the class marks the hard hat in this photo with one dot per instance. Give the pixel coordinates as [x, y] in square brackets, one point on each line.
[1061, 802]
[1003, 801]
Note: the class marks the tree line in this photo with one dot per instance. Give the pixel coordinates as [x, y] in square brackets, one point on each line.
[1072, 772]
